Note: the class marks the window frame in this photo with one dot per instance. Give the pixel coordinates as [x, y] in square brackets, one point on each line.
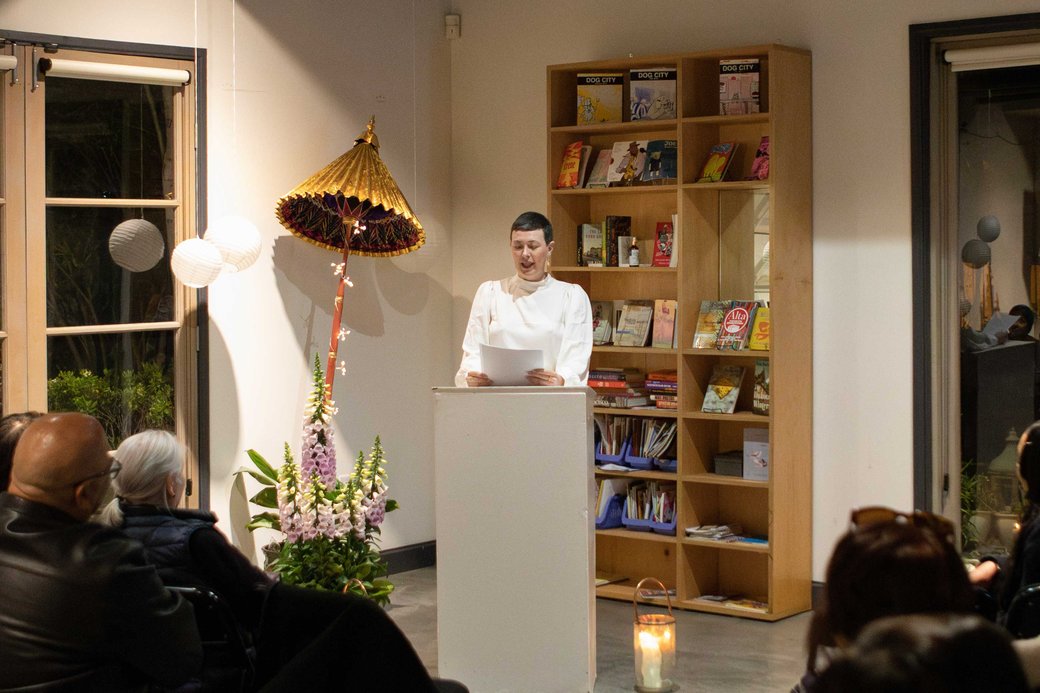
[22, 249]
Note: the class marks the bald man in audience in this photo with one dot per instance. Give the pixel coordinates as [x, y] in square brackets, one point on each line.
[80, 608]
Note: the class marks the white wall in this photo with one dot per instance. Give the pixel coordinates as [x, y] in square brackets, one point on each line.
[863, 423]
[308, 76]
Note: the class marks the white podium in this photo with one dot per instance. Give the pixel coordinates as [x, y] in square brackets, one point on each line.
[515, 544]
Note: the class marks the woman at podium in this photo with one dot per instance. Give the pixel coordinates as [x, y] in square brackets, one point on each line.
[530, 310]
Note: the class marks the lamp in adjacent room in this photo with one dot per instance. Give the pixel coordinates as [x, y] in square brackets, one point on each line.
[653, 645]
[352, 206]
[238, 241]
[136, 245]
[196, 262]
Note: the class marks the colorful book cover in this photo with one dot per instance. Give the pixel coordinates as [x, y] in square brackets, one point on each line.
[759, 339]
[627, 160]
[708, 322]
[634, 325]
[583, 168]
[736, 324]
[664, 323]
[600, 96]
[614, 227]
[598, 174]
[602, 322]
[718, 161]
[652, 93]
[760, 394]
[663, 244]
[723, 389]
[568, 177]
[756, 454]
[592, 245]
[661, 161]
[760, 167]
[738, 86]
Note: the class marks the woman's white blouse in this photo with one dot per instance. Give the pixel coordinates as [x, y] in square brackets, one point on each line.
[550, 315]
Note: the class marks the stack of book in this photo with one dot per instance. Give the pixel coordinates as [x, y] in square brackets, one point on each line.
[653, 439]
[619, 388]
[726, 533]
[732, 325]
[663, 388]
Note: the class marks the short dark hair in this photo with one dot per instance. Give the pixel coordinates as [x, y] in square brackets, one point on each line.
[532, 221]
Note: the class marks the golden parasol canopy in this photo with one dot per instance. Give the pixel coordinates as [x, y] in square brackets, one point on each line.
[355, 187]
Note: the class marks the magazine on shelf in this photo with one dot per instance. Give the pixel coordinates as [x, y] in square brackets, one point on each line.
[598, 174]
[663, 236]
[627, 160]
[723, 389]
[652, 93]
[600, 97]
[736, 324]
[568, 177]
[717, 163]
[661, 161]
[634, 325]
[709, 320]
[602, 322]
[739, 86]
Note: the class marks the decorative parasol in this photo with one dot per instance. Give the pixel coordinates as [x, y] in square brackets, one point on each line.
[352, 206]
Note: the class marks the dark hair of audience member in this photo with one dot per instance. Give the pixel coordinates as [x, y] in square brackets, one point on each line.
[11, 427]
[927, 653]
[886, 569]
[1029, 470]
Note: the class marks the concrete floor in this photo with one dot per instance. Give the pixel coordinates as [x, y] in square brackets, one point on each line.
[716, 653]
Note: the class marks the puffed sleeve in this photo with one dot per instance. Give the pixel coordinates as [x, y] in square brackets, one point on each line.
[576, 347]
[476, 333]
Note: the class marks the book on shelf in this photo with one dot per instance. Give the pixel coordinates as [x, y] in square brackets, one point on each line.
[760, 395]
[608, 578]
[600, 96]
[591, 242]
[664, 323]
[602, 322]
[652, 93]
[747, 604]
[760, 167]
[623, 401]
[614, 227]
[720, 397]
[626, 162]
[608, 488]
[583, 167]
[662, 158]
[756, 454]
[723, 532]
[758, 340]
[709, 320]
[653, 438]
[673, 260]
[663, 235]
[619, 304]
[663, 388]
[634, 324]
[717, 163]
[735, 325]
[598, 174]
[739, 86]
[568, 177]
[613, 432]
[648, 593]
[625, 375]
[651, 500]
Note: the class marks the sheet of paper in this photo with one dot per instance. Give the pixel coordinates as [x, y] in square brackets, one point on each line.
[509, 366]
[998, 323]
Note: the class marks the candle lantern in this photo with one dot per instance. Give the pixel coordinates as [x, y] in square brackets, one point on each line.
[653, 642]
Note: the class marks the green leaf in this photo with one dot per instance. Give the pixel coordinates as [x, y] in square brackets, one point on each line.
[256, 475]
[264, 521]
[263, 465]
[391, 504]
[267, 498]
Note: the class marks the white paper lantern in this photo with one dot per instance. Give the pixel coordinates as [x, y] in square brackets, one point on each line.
[988, 228]
[196, 262]
[136, 245]
[238, 241]
[976, 253]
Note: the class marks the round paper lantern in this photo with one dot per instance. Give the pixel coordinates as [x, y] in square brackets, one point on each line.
[136, 245]
[988, 228]
[238, 241]
[976, 253]
[196, 262]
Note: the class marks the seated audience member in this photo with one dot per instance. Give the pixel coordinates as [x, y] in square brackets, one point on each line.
[11, 427]
[887, 564]
[1023, 567]
[298, 632]
[82, 608]
[930, 653]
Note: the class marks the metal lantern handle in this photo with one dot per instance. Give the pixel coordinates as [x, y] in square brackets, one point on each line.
[635, 596]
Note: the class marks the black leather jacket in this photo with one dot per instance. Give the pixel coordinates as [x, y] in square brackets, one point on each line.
[81, 609]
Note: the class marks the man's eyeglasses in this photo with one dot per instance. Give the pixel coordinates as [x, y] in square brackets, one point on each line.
[878, 514]
[112, 472]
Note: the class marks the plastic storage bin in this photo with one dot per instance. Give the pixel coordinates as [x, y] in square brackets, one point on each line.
[616, 459]
[611, 515]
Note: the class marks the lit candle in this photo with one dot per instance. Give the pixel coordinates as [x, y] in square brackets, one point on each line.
[651, 659]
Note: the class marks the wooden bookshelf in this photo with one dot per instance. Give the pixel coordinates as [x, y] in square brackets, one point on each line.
[716, 255]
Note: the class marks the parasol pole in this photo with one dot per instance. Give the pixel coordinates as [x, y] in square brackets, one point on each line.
[337, 312]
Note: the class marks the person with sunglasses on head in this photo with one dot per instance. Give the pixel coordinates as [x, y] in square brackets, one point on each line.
[82, 610]
[888, 563]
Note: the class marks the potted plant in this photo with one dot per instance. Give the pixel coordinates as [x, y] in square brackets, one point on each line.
[330, 526]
